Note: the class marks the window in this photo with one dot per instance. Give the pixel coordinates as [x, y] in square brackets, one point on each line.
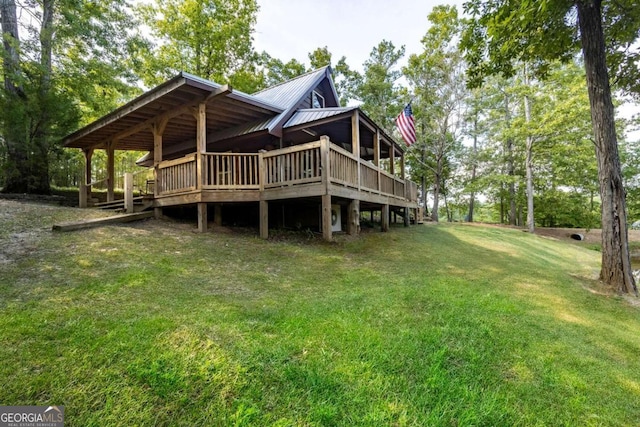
[317, 100]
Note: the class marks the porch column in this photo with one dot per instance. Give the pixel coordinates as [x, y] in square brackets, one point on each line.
[384, 218]
[325, 160]
[406, 216]
[201, 146]
[158, 130]
[111, 154]
[327, 233]
[402, 166]
[201, 141]
[264, 219]
[85, 189]
[376, 155]
[355, 141]
[354, 217]
[392, 160]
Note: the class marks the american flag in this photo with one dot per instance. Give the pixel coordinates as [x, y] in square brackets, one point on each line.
[406, 126]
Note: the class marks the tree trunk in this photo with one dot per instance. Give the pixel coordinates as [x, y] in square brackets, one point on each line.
[616, 265]
[14, 129]
[529, 159]
[510, 166]
[436, 199]
[474, 166]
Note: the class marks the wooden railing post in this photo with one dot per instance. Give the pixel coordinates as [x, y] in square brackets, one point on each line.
[82, 195]
[325, 158]
[128, 192]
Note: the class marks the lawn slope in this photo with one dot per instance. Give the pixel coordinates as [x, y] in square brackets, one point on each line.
[153, 324]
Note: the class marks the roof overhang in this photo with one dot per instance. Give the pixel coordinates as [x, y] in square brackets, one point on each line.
[129, 127]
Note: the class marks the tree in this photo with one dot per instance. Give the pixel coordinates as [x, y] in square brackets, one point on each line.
[539, 32]
[208, 38]
[377, 87]
[437, 78]
[62, 39]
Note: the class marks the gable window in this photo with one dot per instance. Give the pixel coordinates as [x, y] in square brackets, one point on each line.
[317, 100]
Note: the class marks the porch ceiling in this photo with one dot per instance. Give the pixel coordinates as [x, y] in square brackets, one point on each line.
[130, 125]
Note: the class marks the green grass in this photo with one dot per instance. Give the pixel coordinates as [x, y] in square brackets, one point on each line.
[153, 324]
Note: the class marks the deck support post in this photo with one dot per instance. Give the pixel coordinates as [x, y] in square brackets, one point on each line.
[406, 216]
[202, 217]
[111, 154]
[217, 214]
[84, 201]
[128, 192]
[384, 218]
[264, 219]
[354, 217]
[327, 233]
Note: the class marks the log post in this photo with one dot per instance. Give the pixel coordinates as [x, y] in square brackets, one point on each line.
[327, 233]
[376, 156]
[128, 192]
[264, 219]
[82, 195]
[158, 130]
[111, 154]
[355, 142]
[88, 154]
[202, 217]
[354, 217]
[384, 218]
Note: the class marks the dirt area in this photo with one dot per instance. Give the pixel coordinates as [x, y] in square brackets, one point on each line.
[590, 236]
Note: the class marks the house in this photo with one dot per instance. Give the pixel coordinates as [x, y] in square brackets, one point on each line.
[287, 155]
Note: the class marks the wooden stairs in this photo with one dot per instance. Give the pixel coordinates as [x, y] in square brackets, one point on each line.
[140, 204]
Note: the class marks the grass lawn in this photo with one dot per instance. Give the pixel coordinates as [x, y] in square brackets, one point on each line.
[153, 324]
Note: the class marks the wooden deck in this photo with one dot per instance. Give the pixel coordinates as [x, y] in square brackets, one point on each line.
[314, 169]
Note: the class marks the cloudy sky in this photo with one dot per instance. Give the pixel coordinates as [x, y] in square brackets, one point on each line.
[292, 28]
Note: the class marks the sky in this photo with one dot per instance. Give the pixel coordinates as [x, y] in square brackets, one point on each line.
[288, 29]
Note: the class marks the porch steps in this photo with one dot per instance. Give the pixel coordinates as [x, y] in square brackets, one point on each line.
[140, 203]
[90, 223]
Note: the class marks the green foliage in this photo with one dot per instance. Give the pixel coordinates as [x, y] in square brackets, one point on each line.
[85, 78]
[150, 324]
[437, 80]
[377, 87]
[211, 39]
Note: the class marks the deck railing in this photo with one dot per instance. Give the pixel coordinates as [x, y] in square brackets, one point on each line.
[177, 176]
[297, 165]
[230, 171]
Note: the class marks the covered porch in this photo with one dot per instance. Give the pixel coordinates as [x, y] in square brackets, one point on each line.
[210, 145]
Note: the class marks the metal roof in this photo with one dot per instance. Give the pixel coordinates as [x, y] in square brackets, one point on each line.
[291, 91]
[313, 114]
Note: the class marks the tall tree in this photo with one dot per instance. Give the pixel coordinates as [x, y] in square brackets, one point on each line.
[437, 79]
[502, 33]
[377, 88]
[61, 38]
[209, 38]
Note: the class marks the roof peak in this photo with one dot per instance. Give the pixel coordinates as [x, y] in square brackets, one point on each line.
[316, 71]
